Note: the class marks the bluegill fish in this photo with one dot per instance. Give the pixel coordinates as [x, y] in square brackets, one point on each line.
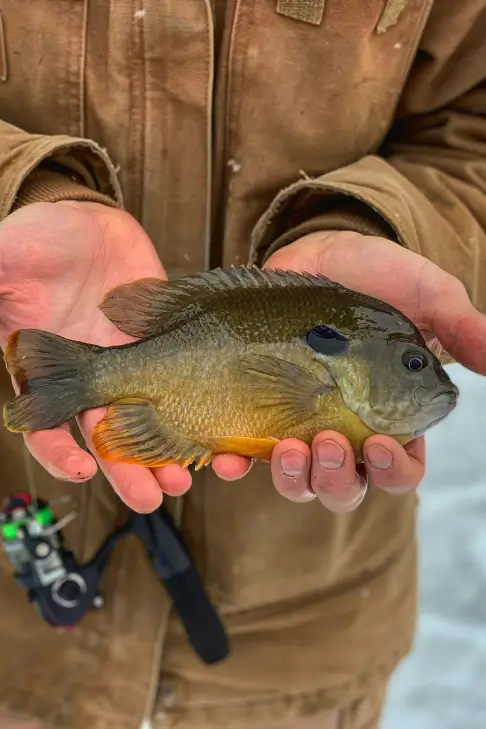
[232, 362]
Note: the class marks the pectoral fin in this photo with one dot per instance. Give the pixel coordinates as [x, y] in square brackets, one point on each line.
[130, 432]
[286, 387]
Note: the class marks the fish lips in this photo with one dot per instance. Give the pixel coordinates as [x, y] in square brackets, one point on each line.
[441, 397]
[435, 405]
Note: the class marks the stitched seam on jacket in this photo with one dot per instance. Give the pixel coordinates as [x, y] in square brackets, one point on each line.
[3, 51]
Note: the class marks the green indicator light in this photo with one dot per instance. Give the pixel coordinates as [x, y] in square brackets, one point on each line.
[45, 516]
[9, 531]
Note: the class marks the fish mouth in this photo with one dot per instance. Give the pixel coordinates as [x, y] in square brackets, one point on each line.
[435, 405]
[445, 396]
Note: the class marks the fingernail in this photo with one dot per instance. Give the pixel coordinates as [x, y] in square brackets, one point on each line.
[379, 457]
[293, 464]
[330, 455]
[77, 469]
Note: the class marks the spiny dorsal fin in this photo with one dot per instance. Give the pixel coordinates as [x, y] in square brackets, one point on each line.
[152, 306]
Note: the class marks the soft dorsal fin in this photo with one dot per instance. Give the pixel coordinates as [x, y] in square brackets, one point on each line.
[152, 306]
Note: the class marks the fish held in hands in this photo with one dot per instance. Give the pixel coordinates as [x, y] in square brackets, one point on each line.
[233, 362]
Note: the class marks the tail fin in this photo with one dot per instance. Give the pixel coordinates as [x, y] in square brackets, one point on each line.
[51, 373]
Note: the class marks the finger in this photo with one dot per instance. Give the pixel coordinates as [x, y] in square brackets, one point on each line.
[60, 455]
[136, 485]
[392, 467]
[173, 479]
[290, 466]
[334, 479]
[460, 328]
[231, 467]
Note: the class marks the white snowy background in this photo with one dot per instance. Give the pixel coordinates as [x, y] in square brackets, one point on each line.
[442, 684]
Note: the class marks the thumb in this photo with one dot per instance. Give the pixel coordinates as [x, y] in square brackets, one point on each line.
[461, 329]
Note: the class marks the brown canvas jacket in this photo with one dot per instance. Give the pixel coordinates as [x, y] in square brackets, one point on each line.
[229, 131]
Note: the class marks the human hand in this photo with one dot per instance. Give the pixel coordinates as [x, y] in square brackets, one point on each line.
[57, 262]
[437, 303]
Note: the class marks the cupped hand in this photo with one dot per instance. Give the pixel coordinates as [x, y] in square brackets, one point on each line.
[57, 262]
[437, 303]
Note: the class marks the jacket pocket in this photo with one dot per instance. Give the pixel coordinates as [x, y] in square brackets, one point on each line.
[42, 65]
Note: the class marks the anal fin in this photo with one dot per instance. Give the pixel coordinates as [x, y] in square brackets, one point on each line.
[260, 448]
[130, 432]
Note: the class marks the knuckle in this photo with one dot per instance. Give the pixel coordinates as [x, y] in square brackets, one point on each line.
[448, 286]
[322, 482]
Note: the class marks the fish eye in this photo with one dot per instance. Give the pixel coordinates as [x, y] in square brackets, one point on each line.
[325, 340]
[414, 361]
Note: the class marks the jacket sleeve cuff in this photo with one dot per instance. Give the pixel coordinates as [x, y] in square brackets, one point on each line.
[369, 197]
[343, 213]
[39, 168]
[46, 185]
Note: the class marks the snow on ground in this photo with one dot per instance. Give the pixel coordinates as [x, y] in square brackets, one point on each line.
[442, 685]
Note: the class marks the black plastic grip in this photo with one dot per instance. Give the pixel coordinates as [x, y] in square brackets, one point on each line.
[174, 566]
